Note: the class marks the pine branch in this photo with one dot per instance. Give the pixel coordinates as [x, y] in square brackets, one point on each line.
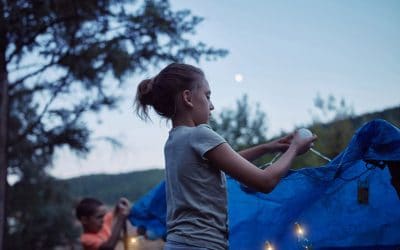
[39, 118]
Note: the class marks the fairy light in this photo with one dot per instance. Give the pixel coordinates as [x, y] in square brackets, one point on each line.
[299, 230]
[268, 246]
[133, 240]
[133, 243]
[303, 242]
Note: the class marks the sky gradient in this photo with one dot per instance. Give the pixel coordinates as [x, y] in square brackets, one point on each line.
[286, 51]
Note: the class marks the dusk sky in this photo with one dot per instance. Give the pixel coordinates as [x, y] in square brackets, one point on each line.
[287, 52]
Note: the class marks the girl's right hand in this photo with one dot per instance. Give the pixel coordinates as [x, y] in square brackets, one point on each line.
[301, 144]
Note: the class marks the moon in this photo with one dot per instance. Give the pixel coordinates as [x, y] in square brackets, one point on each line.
[238, 77]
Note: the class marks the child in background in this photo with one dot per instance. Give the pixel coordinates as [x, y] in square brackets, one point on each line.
[196, 158]
[101, 229]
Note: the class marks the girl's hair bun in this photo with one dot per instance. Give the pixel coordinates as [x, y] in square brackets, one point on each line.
[144, 92]
[160, 92]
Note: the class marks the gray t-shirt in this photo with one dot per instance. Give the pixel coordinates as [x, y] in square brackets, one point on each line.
[196, 191]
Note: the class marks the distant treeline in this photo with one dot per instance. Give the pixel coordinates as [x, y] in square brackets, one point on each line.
[333, 137]
[108, 188]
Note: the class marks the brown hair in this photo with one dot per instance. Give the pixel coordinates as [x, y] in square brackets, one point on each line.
[87, 207]
[160, 91]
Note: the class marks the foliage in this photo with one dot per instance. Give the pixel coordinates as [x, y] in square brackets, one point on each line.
[47, 208]
[331, 109]
[241, 127]
[56, 62]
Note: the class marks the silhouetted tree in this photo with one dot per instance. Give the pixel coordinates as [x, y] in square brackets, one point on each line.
[54, 58]
[331, 109]
[240, 126]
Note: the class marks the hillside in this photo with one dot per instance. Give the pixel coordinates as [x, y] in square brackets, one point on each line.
[109, 188]
[332, 138]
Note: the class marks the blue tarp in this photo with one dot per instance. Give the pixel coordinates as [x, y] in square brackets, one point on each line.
[348, 203]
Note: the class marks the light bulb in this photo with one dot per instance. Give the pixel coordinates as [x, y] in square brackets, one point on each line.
[299, 230]
[268, 246]
[304, 133]
[133, 240]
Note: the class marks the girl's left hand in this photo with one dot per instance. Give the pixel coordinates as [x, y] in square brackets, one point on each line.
[281, 144]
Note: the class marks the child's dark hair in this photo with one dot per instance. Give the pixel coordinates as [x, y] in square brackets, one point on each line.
[160, 91]
[87, 207]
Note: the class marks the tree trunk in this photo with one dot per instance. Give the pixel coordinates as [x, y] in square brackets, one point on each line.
[3, 125]
[3, 150]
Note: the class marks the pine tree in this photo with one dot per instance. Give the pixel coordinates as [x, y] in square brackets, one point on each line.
[54, 57]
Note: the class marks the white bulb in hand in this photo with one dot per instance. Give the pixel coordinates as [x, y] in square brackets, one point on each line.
[304, 133]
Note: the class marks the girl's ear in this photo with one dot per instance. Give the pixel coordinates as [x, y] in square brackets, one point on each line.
[187, 98]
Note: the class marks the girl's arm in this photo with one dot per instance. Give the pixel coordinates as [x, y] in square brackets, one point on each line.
[278, 145]
[235, 165]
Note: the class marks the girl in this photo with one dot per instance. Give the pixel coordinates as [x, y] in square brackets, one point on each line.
[196, 158]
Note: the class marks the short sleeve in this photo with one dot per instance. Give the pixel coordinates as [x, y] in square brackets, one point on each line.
[204, 139]
[108, 219]
[91, 242]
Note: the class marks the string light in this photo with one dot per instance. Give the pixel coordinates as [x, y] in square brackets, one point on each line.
[133, 240]
[299, 230]
[302, 241]
[133, 243]
[268, 246]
